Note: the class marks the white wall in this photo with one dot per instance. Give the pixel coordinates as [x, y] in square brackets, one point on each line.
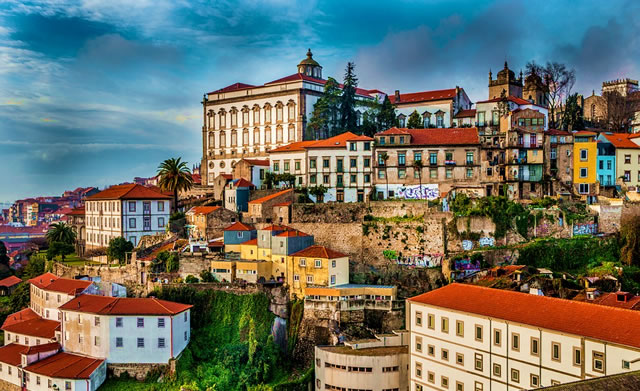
[180, 327]
[159, 219]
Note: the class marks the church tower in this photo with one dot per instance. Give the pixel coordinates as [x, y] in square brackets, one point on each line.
[310, 67]
[505, 81]
[533, 91]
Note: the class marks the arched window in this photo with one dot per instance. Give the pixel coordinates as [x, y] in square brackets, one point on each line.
[234, 138]
[256, 115]
[267, 135]
[426, 119]
[212, 141]
[279, 110]
[223, 119]
[245, 137]
[256, 136]
[292, 133]
[223, 140]
[245, 116]
[402, 120]
[267, 113]
[292, 111]
[279, 134]
[234, 117]
[211, 123]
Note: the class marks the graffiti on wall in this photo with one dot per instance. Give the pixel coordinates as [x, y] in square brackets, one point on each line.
[421, 260]
[487, 241]
[466, 264]
[585, 229]
[417, 192]
[467, 245]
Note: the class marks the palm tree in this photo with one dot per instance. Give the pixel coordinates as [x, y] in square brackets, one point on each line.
[384, 157]
[175, 176]
[61, 232]
[417, 165]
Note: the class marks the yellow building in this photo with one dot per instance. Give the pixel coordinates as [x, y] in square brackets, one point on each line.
[253, 271]
[224, 270]
[585, 157]
[249, 250]
[316, 266]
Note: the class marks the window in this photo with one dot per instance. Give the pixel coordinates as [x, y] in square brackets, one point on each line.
[309, 279]
[584, 154]
[160, 222]
[286, 166]
[535, 380]
[353, 163]
[469, 157]
[448, 173]
[598, 362]
[186, 316]
[555, 351]
[478, 333]
[584, 172]
[431, 350]
[402, 173]
[381, 174]
[583, 188]
[535, 346]
[67, 385]
[497, 370]
[431, 377]
[367, 162]
[627, 176]
[577, 356]
[469, 172]
[459, 328]
[96, 340]
[132, 206]
[160, 206]
[418, 370]
[312, 163]
[140, 322]
[132, 222]
[515, 375]
[433, 173]
[444, 354]
[444, 382]
[478, 362]
[118, 342]
[496, 337]
[444, 325]
[626, 364]
[332, 279]
[161, 323]
[325, 163]
[627, 159]
[141, 342]
[118, 322]
[402, 160]
[477, 386]
[318, 264]
[418, 318]
[459, 386]
[367, 178]
[515, 342]
[418, 344]
[459, 359]
[161, 343]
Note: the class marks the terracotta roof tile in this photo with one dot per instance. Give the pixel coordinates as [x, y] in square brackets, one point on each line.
[466, 113]
[252, 242]
[271, 196]
[43, 280]
[424, 96]
[339, 141]
[276, 227]
[300, 76]
[77, 212]
[286, 203]
[292, 233]
[131, 191]
[567, 316]
[317, 251]
[27, 322]
[257, 162]
[65, 366]
[438, 136]
[621, 140]
[242, 183]
[238, 226]
[511, 98]
[123, 306]
[68, 286]
[203, 210]
[12, 354]
[10, 281]
[585, 133]
[557, 132]
[293, 147]
[233, 87]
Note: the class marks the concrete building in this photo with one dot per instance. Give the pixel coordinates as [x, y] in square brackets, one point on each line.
[125, 330]
[352, 297]
[558, 161]
[247, 121]
[208, 222]
[261, 210]
[253, 170]
[450, 159]
[129, 211]
[585, 159]
[48, 292]
[467, 337]
[236, 234]
[378, 364]
[316, 266]
[236, 195]
[627, 157]
[8, 285]
[27, 328]
[437, 109]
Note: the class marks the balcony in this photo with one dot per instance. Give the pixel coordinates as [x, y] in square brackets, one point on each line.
[449, 162]
[469, 163]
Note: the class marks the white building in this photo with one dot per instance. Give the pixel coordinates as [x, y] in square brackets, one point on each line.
[130, 211]
[437, 108]
[48, 292]
[126, 330]
[247, 121]
[342, 164]
[467, 337]
[45, 368]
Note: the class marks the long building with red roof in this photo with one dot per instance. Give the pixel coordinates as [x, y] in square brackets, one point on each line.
[435, 108]
[484, 338]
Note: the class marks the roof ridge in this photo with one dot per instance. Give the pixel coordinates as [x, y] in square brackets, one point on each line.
[161, 305]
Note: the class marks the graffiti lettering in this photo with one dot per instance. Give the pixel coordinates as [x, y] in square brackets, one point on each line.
[487, 241]
[585, 229]
[424, 192]
[467, 245]
[423, 260]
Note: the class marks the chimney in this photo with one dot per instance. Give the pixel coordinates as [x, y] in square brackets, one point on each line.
[397, 96]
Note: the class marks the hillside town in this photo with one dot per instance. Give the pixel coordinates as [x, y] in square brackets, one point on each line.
[335, 237]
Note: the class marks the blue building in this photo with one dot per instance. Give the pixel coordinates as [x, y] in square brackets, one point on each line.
[606, 164]
[236, 234]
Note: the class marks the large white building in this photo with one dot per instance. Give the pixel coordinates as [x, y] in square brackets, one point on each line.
[247, 121]
[126, 330]
[437, 108]
[342, 164]
[467, 337]
[130, 211]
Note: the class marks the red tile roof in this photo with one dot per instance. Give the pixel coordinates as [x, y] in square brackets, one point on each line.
[131, 191]
[511, 98]
[238, 226]
[286, 203]
[339, 141]
[438, 136]
[68, 286]
[252, 242]
[203, 210]
[77, 212]
[301, 76]
[257, 162]
[270, 197]
[611, 299]
[317, 251]
[123, 306]
[43, 280]
[292, 233]
[233, 87]
[242, 183]
[227, 176]
[557, 132]
[424, 96]
[276, 227]
[27, 322]
[573, 317]
[466, 113]
[621, 140]
[293, 147]
[65, 366]
[10, 281]
[12, 354]
[585, 133]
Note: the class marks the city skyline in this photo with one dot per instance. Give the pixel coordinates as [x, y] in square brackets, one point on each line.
[95, 94]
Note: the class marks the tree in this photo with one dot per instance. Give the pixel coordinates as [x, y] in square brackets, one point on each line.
[207, 276]
[286, 177]
[34, 267]
[415, 121]
[630, 235]
[59, 248]
[173, 263]
[61, 232]
[387, 115]
[20, 298]
[325, 112]
[191, 279]
[384, 157]
[572, 118]
[174, 175]
[118, 249]
[369, 125]
[620, 110]
[418, 166]
[555, 81]
[177, 223]
[318, 192]
[4, 258]
[348, 118]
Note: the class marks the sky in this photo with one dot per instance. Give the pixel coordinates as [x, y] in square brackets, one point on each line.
[94, 93]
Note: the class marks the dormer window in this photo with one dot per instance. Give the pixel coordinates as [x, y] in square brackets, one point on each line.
[401, 139]
[402, 120]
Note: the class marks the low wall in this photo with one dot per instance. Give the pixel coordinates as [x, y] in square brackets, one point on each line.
[136, 371]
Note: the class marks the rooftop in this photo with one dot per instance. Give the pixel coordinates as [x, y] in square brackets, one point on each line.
[77, 211]
[10, 281]
[27, 322]
[621, 140]
[124, 306]
[377, 351]
[271, 196]
[466, 113]
[203, 210]
[424, 96]
[65, 366]
[317, 251]
[43, 280]
[435, 136]
[12, 354]
[238, 226]
[511, 98]
[567, 316]
[292, 233]
[257, 162]
[629, 381]
[131, 191]
[68, 286]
